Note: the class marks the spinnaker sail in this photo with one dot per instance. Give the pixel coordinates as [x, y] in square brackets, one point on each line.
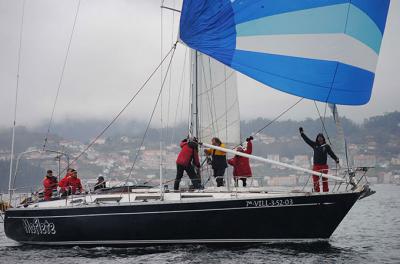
[325, 50]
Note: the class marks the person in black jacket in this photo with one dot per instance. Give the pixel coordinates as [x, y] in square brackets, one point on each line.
[100, 184]
[321, 151]
[218, 161]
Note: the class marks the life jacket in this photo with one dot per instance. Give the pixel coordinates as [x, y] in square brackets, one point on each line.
[218, 158]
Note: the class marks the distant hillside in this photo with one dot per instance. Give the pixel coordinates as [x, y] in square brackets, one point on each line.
[382, 128]
[84, 130]
[29, 175]
[25, 138]
[383, 131]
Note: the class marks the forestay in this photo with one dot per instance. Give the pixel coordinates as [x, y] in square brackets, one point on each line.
[321, 50]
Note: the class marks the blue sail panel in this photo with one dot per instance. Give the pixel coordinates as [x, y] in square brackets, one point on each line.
[306, 77]
[322, 50]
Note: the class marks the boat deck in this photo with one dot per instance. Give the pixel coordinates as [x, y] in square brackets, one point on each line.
[141, 196]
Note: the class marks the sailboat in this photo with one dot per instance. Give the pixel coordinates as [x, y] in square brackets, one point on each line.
[319, 50]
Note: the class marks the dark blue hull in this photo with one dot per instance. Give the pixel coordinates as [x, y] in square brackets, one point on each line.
[218, 221]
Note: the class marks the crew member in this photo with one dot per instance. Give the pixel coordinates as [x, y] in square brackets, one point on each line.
[241, 165]
[218, 161]
[50, 184]
[100, 184]
[187, 157]
[321, 149]
[64, 187]
[75, 183]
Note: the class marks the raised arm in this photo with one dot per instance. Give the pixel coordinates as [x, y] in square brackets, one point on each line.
[249, 148]
[306, 139]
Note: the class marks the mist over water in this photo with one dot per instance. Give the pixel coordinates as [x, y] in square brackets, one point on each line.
[370, 233]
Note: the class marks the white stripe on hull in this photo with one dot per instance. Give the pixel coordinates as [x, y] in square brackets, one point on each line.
[329, 47]
[167, 212]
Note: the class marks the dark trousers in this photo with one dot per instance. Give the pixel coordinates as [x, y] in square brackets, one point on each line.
[190, 172]
[237, 182]
[219, 176]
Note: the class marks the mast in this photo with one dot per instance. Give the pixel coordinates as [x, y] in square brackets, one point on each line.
[161, 104]
[194, 124]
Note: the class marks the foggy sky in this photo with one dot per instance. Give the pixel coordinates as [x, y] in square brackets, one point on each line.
[115, 46]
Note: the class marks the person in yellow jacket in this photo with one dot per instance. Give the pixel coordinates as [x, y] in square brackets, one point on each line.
[218, 161]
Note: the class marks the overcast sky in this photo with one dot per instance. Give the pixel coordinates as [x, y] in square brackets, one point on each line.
[115, 46]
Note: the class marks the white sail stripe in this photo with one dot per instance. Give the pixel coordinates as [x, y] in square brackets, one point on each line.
[330, 47]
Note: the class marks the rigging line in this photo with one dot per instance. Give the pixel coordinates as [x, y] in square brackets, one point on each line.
[326, 104]
[212, 94]
[179, 95]
[16, 97]
[190, 99]
[62, 74]
[279, 116]
[209, 97]
[337, 64]
[170, 75]
[323, 124]
[183, 97]
[151, 116]
[222, 115]
[124, 108]
[226, 108]
[161, 105]
[228, 126]
[220, 83]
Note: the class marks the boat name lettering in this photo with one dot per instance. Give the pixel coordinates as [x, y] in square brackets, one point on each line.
[267, 203]
[37, 227]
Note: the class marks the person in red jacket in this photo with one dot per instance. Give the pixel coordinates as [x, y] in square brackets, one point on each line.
[64, 187]
[187, 157]
[49, 183]
[75, 183]
[241, 165]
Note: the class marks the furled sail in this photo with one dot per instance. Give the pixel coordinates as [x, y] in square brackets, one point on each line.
[325, 50]
[217, 100]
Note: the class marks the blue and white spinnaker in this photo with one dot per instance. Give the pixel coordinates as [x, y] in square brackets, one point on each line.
[325, 50]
